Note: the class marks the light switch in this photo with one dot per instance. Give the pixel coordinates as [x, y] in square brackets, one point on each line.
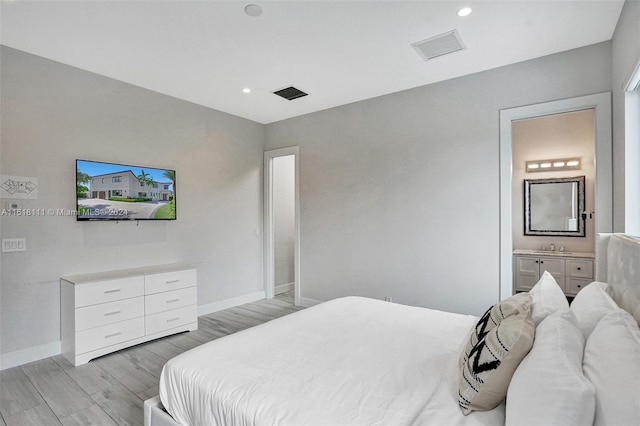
[14, 244]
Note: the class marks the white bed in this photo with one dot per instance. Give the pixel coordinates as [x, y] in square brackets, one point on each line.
[360, 361]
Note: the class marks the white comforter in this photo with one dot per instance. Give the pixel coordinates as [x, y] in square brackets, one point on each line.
[350, 361]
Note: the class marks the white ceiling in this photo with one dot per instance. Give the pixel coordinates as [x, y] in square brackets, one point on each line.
[339, 52]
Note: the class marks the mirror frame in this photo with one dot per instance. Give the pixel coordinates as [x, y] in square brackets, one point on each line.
[580, 180]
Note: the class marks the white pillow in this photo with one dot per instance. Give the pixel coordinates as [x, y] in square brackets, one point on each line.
[625, 297]
[612, 364]
[549, 388]
[547, 297]
[590, 305]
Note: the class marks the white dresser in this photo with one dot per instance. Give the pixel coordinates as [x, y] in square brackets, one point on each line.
[108, 311]
[572, 271]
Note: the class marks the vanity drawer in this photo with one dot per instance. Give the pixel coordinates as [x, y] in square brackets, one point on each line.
[110, 334]
[170, 319]
[168, 281]
[580, 268]
[160, 302]
[574, 285]
[108, 313]
[108, 291]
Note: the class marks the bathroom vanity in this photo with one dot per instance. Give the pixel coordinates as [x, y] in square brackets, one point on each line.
[571, 270]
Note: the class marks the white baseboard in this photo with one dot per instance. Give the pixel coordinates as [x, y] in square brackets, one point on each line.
[230, 303]
[24, 356]
[283, 288]
[35, 353]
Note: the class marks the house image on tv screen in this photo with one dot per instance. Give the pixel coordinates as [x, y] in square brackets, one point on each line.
[127, 185]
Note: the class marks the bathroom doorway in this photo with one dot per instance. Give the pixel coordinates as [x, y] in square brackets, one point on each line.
[603, 188]
[548, 143]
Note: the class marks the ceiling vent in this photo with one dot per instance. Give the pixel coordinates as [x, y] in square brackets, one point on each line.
[439, 45]
[290, 93]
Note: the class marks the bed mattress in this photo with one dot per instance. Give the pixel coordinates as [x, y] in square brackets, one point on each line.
[350, 361]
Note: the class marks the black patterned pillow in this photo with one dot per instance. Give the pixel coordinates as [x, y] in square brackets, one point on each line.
[493, 317]
[488, 366]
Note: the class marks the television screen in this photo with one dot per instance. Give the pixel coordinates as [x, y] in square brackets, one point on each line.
[109, 191]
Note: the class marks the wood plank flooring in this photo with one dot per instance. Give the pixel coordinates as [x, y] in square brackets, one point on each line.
[111, 390]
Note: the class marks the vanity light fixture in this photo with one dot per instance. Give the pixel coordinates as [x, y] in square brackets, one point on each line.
[246, 90]
[557, 164]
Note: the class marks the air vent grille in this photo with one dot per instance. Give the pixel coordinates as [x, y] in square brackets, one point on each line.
[439, 45]
[290, 93]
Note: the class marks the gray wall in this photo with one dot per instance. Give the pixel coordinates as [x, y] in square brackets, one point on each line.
[400, 194]
[625, 56]
[53, 114]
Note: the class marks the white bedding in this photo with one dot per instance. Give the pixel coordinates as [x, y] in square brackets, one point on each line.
[343, 362]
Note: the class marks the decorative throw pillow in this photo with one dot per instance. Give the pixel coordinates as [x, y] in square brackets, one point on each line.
[488, 367]
[492, 317]
[612, 364]
[547, 297]
[590, 305]
[550, 377]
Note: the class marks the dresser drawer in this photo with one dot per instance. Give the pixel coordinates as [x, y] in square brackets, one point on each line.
[110, 334]
[160, 302]
[109, 290]
[108, 313]
[170, 319]
[168, 281]
[580, 268]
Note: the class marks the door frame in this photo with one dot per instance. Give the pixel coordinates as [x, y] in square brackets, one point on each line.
[601, 104]
[269, 225]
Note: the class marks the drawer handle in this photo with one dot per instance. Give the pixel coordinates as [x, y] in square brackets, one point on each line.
[106, 314]
[578, 268]
[173, 300]
[173, 281]
[173, 319]
[578, 286]
[112, 335]
[115, 290]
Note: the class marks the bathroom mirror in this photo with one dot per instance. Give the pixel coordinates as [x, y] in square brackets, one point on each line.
[554, 206]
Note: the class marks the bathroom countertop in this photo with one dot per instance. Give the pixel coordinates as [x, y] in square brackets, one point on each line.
[555, 253]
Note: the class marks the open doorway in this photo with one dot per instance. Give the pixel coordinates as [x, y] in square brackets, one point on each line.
[553, 141]
[282, 236]
[603, 188]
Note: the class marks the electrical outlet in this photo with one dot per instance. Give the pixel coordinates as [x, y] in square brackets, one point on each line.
[388, 299]
[14, 244]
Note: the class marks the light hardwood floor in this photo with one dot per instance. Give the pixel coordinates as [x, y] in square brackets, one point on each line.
[110, 390]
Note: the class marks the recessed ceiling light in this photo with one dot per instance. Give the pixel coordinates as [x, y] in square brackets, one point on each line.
[246, 90]
[465, 11]
[253, 10]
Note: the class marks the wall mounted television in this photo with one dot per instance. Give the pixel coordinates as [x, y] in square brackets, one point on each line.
[112, 191]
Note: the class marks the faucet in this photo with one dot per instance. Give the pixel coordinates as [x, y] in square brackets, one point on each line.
[552, 247]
